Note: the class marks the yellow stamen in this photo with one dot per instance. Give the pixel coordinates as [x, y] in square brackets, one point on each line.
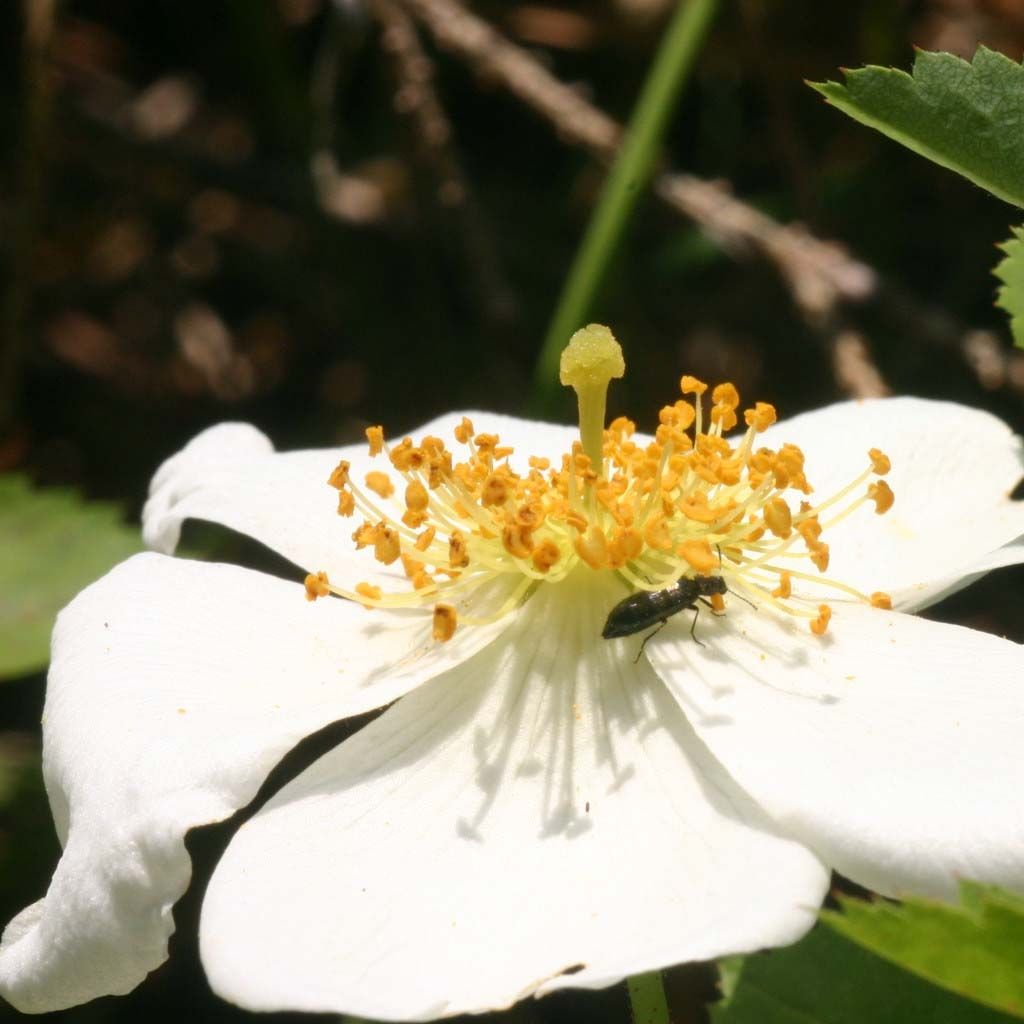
[317, 585]
[690, 501]
[881, 494]
[820, 624]
[444, 622]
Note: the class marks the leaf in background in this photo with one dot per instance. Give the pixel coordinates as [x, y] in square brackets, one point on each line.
[53, 544]
[1011, 272]
[824, 979]
[965, 116]
[976, 949]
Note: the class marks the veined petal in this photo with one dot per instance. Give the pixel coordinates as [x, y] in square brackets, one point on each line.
[231, 475]
[540, 817]
[175, 687]
[953, 469]
[891, 747]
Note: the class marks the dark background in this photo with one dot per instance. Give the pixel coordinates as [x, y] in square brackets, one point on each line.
[246, 209]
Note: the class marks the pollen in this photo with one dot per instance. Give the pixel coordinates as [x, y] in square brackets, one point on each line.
[701, 496]
[880, 493]
[820, 624]
[380, 484]
[444, 622]
[317, 585]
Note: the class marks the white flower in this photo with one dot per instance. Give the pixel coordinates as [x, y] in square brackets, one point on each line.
[539, 810]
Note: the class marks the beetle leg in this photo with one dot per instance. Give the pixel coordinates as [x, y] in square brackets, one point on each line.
[693, 626]
[653, 632]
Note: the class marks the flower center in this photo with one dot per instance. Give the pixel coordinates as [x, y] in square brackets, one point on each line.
[689, 503]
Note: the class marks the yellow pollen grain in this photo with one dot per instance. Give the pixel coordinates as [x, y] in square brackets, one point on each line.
[375, 439]
[529, 516]
[785, 587]
[592, 547]
[778, 518]
[458, 556]
[691, 385]
[416, 497]
[369, 591]
[819, 556]
[424, 540]
[698, 554]
[495, 491]
[761, 417]
[626, 545]
[386, 547]
[346, 503]
[517, 541]
[810, 530]
[881, 494]
[444, 622]
[339, 475]
[380, 484]
[880, 599]
[657, 534]
[411, 565]
[880, 463]
[364, 536]
[317, 585]
[820, 624]
[545, 555]
[464, 431]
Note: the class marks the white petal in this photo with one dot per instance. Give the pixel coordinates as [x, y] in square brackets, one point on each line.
[952, 471]
[231, 475]
[541, 817]
[891, 747]
[175, 687]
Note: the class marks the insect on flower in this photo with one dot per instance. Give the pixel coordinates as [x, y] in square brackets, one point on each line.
[519, 755]
[645, 608]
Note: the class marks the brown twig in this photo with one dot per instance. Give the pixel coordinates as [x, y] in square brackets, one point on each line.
[822, 275]
[417, 100]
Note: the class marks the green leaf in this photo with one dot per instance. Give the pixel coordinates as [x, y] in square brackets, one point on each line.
[968, 117]
[975, 949]
[53, 544]
[1011, 272]
[824, 979]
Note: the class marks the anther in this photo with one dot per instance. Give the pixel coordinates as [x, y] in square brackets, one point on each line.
[386, 547]
[458, 556]
[375, 439]
[317, 585]
[778, 518]
[880, 599]
[881, 494]
[380, 484]
[820, 624]
[339, 476]
[880, 463]
[369, 591]
[444, 622]
[698, 554]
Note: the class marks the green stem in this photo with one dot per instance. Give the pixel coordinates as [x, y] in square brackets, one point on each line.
[626, 181]
[647, 999]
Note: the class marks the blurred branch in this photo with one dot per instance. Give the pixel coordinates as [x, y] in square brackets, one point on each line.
[37, 89]
[822, 275]
[626, 182]
[417, 99]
